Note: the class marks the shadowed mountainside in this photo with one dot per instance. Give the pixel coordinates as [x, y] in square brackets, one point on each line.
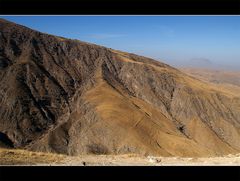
[71, 97]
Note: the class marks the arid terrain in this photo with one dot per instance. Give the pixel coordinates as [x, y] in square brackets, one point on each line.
[215, 76]
[74, 98]
[224, 79]
[23, 157]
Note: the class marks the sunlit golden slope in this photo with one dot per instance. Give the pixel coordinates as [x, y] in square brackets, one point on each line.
[147, 126]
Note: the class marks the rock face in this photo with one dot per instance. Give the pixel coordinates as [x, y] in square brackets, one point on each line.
[72, 97]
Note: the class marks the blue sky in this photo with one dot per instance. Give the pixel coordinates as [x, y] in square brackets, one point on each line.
[210, 41]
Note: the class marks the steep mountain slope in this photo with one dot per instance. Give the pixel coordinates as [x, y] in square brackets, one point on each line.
[71, 97]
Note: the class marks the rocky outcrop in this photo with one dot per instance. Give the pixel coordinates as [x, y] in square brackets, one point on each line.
[72, 97]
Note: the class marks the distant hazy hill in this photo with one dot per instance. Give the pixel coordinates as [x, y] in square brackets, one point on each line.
[71, 97]
[215, 76]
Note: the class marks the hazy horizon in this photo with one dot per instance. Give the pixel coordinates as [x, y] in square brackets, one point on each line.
[181, 41]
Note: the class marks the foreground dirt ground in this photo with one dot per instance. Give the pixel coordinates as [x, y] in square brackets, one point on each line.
[22, 157]
[126, 160]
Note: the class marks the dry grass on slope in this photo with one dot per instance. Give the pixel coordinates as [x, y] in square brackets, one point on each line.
[135, 123]
[24, 157]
